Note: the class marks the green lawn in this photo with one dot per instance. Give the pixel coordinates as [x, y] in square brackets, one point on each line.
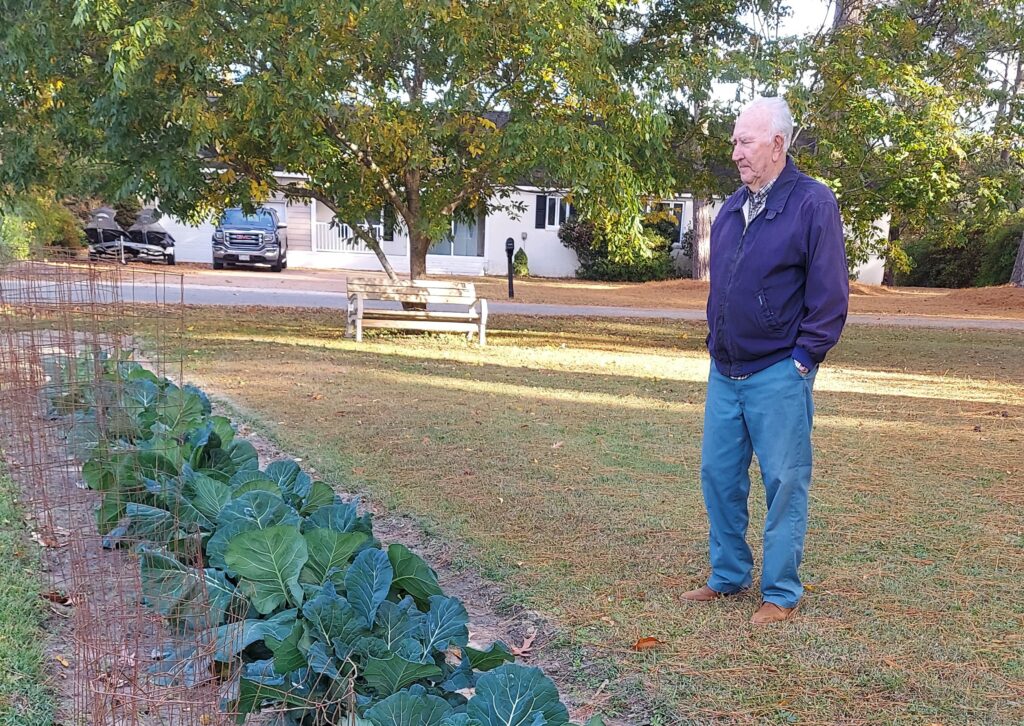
[563, 459]
[25, 699]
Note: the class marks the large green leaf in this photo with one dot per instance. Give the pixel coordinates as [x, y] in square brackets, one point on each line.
[251, 511]
[243, 455]
[110, 511]
[320, 495]
[223, 428]
[459, 719]
[252, 480]
[341, 517]
[208, 495]
[204, 400]
[514, 695]
[218, 464]
[151, 524]
[367, 583]
[331, 619]
[176, 412]
[268, 561]
[263, 509]
[294, 482]
[232, 638]
[390, 675]
[288, 652]
[398, 621]
[446, 624]
[190, 598]
[322, 661]
[412, 575]
[409, 708]
[329, 554]
[486, 660]
[261, 684]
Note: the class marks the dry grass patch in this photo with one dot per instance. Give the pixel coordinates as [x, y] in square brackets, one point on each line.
[564, 458]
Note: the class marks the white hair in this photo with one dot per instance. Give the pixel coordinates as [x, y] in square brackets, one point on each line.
[780, 120]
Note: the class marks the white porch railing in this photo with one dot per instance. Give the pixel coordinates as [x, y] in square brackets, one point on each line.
[340, 238]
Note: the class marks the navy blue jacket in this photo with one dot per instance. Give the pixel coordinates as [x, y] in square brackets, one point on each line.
[780, 288]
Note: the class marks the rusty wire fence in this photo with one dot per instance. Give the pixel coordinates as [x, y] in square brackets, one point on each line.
[65, 329]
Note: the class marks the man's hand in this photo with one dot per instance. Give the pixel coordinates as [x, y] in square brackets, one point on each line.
[800, 367]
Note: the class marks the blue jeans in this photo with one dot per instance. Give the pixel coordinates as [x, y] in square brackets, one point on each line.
[770, 414]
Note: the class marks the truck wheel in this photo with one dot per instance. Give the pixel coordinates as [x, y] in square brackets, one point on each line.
[218, 265]
[276, 267]
[169, 259]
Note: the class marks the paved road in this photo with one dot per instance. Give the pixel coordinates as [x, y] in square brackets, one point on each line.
[204, 294]
[224, 295]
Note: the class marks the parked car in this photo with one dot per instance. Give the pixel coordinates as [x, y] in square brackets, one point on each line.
[144, 240]
[250, 239]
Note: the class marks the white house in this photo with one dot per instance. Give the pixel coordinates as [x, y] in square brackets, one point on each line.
[476, 248]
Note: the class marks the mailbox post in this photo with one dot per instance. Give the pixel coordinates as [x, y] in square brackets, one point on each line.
[509, 248]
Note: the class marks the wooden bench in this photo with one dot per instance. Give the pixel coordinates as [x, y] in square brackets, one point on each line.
[471, 317]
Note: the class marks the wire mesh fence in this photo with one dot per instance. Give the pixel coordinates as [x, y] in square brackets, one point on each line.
[69, 334]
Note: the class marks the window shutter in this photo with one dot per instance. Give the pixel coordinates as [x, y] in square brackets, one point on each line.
[542, 211]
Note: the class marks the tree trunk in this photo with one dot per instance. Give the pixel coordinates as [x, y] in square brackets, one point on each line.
[418, 246]
[1012, 104]
[849, 12]
[701, 239]
[889, 274]
[1017, 276]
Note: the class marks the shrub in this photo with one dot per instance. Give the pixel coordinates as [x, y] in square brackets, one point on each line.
[34, 221]
[937, 266]
[291, 588]
[985, 257]
[15, 238]
[1000, 252]
[521, 263]
[651, 262]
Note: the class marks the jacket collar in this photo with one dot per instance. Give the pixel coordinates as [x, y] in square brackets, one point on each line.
[777, 196]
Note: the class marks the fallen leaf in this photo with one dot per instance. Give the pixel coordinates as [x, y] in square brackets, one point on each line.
[57, 597]
[557, 445]
[648, 643]
[63, 661]
[527, 645]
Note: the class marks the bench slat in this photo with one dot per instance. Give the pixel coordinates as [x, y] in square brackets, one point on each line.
[439, 325]
[417, 297]
[418, 314]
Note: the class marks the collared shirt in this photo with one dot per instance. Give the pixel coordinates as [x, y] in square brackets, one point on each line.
[755, 201]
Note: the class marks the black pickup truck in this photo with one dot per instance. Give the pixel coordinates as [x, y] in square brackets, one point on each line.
[250, 239]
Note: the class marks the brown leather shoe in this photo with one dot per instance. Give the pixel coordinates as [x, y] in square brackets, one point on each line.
[770, 613]
[706, 594]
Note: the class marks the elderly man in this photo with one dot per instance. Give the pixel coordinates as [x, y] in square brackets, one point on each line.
[778, 301]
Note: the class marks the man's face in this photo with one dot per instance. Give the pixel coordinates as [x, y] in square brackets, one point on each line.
[757, 154]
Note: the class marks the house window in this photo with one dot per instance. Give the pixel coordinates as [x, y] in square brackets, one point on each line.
[466, 239]
[552, 211]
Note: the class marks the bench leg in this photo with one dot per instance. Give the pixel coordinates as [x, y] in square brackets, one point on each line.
[483, 335]
[359, 331]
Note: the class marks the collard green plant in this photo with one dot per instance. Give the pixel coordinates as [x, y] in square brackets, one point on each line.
[283, 579]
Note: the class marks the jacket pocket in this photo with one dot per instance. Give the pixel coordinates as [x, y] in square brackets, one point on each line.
[766, 315]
